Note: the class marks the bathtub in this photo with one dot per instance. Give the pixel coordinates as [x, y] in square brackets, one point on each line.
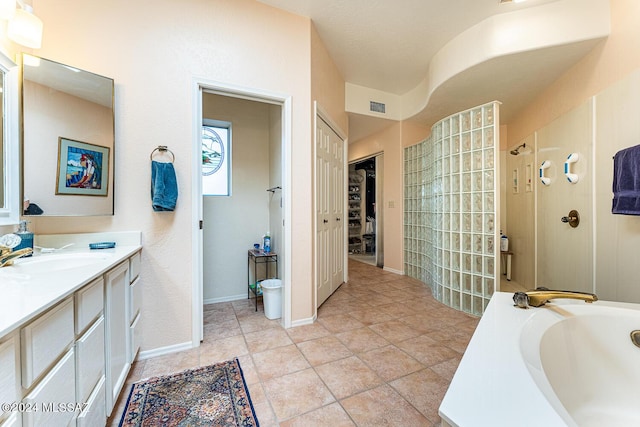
[565, 364]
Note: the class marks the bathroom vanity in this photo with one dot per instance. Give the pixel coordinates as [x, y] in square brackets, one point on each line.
[69, 330]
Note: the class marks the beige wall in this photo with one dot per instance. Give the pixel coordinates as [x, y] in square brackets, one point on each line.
[608, 63]
[154, 50]
[327, 84]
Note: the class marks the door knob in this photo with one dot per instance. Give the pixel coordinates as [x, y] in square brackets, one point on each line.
[573, 219]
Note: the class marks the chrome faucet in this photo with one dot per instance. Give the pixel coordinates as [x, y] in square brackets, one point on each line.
[541, 296]
[7, 255]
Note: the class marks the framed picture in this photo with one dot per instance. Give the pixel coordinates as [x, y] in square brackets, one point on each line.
[83, 169]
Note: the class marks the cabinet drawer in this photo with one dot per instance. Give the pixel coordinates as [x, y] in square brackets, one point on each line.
[45, 339]
[90, 359]
[89, 304]
[135, 298]
[134, 266]
[8, 371]
[135, 338]
[56, 388]
[94, 414]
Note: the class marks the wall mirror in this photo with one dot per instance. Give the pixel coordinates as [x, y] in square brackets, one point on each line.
[68, 140]
[9, 144]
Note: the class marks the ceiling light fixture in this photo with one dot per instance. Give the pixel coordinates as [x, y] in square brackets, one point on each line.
[7, 9]
[25, 28]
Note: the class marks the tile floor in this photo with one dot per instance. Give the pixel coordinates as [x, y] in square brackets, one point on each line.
[382, 353]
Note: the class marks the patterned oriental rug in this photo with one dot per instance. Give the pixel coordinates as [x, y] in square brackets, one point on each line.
[214, 395]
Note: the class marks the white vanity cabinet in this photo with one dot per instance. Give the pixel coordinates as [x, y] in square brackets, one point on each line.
[135, 305]
[65, 361]
[117, 330]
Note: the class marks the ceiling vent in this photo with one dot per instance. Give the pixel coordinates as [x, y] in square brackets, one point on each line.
[377, 107]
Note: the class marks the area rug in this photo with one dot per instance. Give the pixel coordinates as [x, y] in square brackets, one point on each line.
[214, 395]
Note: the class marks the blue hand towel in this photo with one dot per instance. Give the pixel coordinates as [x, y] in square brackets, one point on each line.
[626, 181]
[164, 186]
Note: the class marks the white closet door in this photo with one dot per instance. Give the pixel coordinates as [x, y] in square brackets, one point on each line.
[330, 199]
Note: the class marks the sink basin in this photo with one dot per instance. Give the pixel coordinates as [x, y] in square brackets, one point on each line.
[55, 262]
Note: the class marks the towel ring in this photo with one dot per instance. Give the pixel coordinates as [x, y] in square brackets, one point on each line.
[163, 149]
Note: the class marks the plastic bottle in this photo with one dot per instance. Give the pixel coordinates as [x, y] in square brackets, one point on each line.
[504, 243]
[25, 235]
[266, 242]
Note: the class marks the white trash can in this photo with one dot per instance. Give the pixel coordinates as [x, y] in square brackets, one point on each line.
[272, 298]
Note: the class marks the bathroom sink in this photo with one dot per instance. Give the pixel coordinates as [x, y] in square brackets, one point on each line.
[55, 262]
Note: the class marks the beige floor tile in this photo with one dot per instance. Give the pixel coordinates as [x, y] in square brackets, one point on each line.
[370, 316]
[279, 361]
[328, 416]
[297, 393]
[171, 363]
[424, 390]
[390, 362]
[221, 350]
[427, 351]
[267, 339]
[395, 331]
[248, 369]
[340, 323]
[347, 377]
[307, 332]
[447, 368]
[382, 406]
[396, 309]
[324, 350]
[362, 340]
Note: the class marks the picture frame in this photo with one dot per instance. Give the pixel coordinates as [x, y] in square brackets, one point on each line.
[83, 168]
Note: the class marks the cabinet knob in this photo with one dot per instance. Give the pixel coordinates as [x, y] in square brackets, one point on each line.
[325, 221]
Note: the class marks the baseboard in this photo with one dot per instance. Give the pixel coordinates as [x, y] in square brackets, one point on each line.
[393, 270]
[302, 322]
[225, 299]
[148, 354]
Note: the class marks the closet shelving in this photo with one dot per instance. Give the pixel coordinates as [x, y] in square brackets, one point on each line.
[355, 213]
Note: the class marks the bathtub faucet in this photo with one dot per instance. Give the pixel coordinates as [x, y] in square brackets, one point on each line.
[541, 296]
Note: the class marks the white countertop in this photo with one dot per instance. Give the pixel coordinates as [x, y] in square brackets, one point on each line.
[24, 296]
[492, 386]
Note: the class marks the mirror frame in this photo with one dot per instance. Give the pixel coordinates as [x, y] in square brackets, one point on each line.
[10, 210]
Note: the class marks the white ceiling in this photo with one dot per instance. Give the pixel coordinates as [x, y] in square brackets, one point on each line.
[387, 45]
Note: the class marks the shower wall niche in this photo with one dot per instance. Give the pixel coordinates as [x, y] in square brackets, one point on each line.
[450, 209]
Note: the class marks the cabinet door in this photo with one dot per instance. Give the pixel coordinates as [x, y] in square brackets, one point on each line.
[8, 372]
[89, 304]
[45, 339]
[90, 359]
[94, 414]
[117, 330]
[55, 391]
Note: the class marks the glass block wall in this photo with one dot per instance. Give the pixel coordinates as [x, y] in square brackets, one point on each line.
[450, 205]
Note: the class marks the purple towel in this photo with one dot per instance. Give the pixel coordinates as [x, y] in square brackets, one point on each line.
[626, 181]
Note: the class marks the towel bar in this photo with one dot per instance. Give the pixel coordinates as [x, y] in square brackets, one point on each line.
[163, 149]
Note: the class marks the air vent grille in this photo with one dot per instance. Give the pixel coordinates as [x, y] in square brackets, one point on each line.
[377, 107]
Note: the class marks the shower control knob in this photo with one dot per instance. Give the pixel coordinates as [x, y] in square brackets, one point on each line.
[573, 219]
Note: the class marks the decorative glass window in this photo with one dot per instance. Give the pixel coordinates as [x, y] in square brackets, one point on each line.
[216, 158]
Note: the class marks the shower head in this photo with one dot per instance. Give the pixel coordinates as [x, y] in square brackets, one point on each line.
[517, 150]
